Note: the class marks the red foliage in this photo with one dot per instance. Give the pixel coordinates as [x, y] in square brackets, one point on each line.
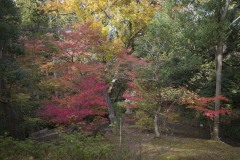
[63, 115]
[202, 104]
[132, 65]
[86, 99]
[77, 69]
[77, 42]
[125, 58]
[129, 120]
[130, 97]
[78, 72]
[131, 75]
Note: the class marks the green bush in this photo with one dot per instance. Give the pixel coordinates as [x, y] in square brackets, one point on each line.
[144, 121]
[68, 147]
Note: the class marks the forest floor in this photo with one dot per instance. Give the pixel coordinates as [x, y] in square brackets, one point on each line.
[144, 146]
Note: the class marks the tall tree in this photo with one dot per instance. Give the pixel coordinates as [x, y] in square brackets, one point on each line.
[219, 61]
[203, 31]
[9, 20]
[121, 20]
[77, 71]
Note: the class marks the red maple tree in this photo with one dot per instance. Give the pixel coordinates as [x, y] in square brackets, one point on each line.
[80, 75]
[203, 104]
[78, 72]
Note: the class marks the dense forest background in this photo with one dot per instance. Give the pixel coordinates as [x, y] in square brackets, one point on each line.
[84, 67]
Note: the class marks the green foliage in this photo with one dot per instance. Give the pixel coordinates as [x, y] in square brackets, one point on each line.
[69, 146]
[144, 121]
[122, 153]
[166, 45]
[119, 109]
[17, 96]
[178, 70]
[32, 19]
[9, 19]
[21, 99]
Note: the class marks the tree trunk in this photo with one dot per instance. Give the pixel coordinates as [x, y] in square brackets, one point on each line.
[219, 57]
[156, 127]
[55, 77]
[156, 120]
[46, 72]
[109, 106]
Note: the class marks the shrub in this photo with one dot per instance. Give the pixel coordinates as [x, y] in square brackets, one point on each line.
[69, 146]
[144, 121]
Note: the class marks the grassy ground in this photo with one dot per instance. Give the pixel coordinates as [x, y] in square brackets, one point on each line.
[135, 145]
[175, 148]
[145, 147]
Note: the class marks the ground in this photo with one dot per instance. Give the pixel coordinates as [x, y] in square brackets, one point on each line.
[144, 146]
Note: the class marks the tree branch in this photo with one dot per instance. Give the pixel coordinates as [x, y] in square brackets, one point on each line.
[133, 36]
[235, 22]
[223, 17]
[232, 65]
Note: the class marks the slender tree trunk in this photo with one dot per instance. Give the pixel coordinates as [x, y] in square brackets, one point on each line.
[156, 127]
[55, 77]
[219, 58]
[156, 120]
[120, 132]
[46, 72]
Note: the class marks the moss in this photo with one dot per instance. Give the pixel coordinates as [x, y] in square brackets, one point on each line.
[175, 148]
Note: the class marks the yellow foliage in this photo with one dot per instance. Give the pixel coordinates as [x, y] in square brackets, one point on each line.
[53, 6]
[128, 17]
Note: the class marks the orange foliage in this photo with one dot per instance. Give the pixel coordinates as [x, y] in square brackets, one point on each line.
[202, 104]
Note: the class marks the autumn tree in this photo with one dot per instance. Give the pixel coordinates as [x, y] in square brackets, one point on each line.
[121, 20]
[204, 106]
[76, 66]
